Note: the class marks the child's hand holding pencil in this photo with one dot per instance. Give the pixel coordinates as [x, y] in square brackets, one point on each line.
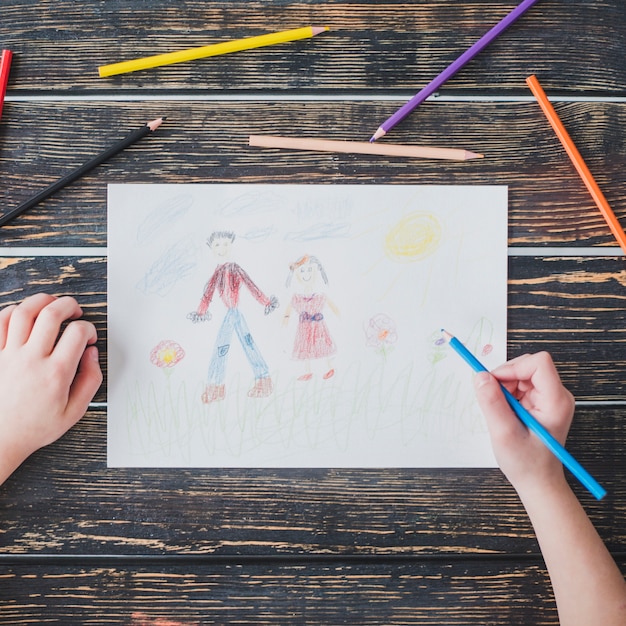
[534, 381]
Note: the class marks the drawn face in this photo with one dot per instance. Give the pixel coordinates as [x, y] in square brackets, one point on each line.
[306, 273]
[221, 246]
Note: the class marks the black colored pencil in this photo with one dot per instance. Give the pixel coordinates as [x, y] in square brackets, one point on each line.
[83, 169]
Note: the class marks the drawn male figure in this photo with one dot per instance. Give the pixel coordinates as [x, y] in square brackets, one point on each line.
[227, 279]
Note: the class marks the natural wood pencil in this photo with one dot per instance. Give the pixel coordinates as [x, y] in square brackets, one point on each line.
[361, 147]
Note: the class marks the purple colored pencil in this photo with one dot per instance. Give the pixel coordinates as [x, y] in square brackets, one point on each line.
[452, 69]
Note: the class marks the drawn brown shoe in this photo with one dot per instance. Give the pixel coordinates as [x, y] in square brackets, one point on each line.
[213, 393]
[262, 388]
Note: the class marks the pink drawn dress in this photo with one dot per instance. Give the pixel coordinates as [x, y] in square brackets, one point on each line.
[313, 341]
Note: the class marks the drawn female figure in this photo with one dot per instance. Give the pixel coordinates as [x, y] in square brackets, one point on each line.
[312, 340]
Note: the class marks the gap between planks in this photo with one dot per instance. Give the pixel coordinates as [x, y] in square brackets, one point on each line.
[532, 251]
[278, 97]
[227, 560]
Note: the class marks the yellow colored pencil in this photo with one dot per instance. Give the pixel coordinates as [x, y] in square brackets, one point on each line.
[202, 52]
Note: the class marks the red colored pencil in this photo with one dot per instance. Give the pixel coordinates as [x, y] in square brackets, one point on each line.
[5, 66]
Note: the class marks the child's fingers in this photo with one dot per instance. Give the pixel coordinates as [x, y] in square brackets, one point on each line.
[533, 371]
[539, 388]
[69, 349]
[507, 371]
[504, 426]
[5, 316]
[23, 318]
[85, 385]
[48, 323]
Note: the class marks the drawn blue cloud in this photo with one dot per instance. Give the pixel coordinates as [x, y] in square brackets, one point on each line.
[249, 204]
[328, 230]
[173, 265]
[163, 216]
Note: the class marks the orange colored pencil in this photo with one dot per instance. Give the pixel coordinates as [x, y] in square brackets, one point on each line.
[577, 161]
[5, 66]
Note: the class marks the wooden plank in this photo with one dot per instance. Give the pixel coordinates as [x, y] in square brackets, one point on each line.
[390, 45]
[82, 544]
[204, 142]
[64, 501]
[572, 307]
[379, 592]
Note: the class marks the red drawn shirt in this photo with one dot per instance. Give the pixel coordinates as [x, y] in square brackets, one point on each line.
[227, 279]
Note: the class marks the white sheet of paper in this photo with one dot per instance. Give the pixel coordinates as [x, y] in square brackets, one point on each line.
[400, 263]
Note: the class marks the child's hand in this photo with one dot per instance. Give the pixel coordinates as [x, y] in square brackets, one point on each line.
[534, 381]
[46, 380]
[273, 305]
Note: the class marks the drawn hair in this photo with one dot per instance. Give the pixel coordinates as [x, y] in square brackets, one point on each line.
[220, 234]
[307, 258]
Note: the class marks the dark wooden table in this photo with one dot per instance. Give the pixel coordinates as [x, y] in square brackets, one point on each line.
[83, 544]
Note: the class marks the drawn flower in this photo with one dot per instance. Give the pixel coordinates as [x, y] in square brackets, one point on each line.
[381, 333]
[487, 349]
[438, 350]
[166, 354]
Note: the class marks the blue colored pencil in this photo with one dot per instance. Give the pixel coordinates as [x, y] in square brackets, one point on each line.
[585, 478]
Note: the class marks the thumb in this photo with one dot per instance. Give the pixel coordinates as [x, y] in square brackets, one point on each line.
[87, 381]
[502, 422]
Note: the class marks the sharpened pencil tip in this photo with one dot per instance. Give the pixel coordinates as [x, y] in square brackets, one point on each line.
[446, 335]
[378, 134]
[154, 124]
[319, 29]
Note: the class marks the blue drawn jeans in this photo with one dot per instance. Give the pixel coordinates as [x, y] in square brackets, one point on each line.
[234, 320]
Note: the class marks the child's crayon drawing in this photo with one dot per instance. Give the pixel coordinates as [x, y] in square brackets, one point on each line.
[312, 338]
[298, 325]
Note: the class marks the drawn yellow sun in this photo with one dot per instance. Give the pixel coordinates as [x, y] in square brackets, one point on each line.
[413, 238]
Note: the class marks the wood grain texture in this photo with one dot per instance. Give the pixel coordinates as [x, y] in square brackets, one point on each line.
[459, 592]
[391, 45]
[64, 501]
[572, 307]
[207, 142]
[82, 544]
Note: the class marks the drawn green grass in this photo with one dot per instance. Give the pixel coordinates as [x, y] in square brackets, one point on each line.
[358, 403]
